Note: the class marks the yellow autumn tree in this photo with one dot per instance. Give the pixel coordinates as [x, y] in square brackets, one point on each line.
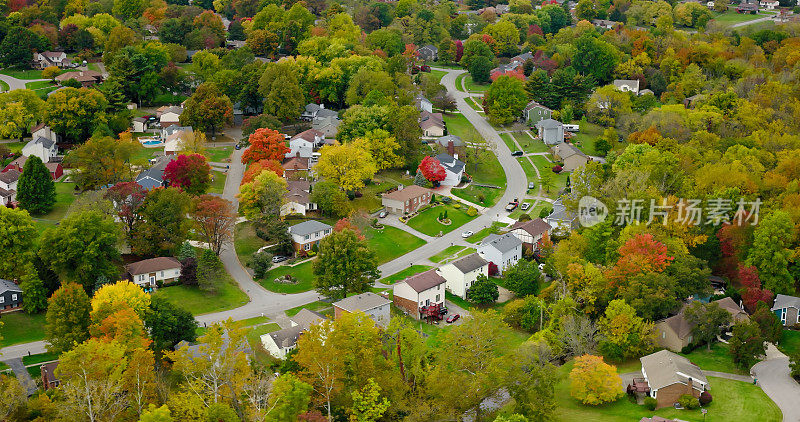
[593, 381]
[262, 196]
[119, 295]
[346, 165]
[382, 146]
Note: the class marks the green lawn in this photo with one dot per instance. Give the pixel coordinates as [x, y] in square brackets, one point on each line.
[317, 306]
[790, 343]
[508, 141]
[255, 333]
[4, 86]
[370, 199]
[528, 169]
[471, 86]
[447, 253]
[518, 212]
[246, 243]
[39, 358]
[142, 155]
[65, 195]
[458, 125]
[303, 273]
[731, 17]
[3, 367]
[390, 242]
[219, 154]
[585, 139]
[438, 75]
[473, 103]
[559, 180]
[19, 327]
[15, 147]
[38, 85]
[485, 169]
[402, 275]
[22, 73]
[481, 234]
[460, 78]
[217, 182]
[717, 359]
[198, 302]
[427, 221]
[733, 401]
[529, 144]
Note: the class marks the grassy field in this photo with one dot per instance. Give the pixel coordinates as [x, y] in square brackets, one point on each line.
[458, 125]
[733, 401]
[246, 243]
[219, 154]
[790, 343]
[586, 138]
[23, 73]
[473, 103]
[4, 86]
[527, 167]
[317, 306]
[217, 182]
[717, 359]
[255, 333]
[480, 235]
[529, 144]
[731, 17]
[559, 180]
[198, 302]
[39, 358]
[15, 147]
[427, 221]
[438, 75]
[38, 85]
[303, 273]
[485, 169]
[391, 242]
[65, 195]
[142, 154]
[448, 252]
[471, 86]
[402, 275]
[19, 327]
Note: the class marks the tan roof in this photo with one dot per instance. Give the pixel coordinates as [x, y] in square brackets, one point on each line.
[424, 281]
[729, 305]
[9, 176]
[679, 325]
[309, 135]
[298, 191]
[81, 76]
[664, 368]
[408, 192]
[295, 163]
[153, 264]
[363, 302]
[306, 318]
[535, 227]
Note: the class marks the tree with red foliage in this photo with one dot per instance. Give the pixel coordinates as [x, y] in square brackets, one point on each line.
[747, 277]
[516, 73]
[265, 144]
[256, 168]
[346, 224]
[189, 172]
[432, 170]
[640, 254]
[459, 50]
[535, 29]
[734, 242]
[493, 268]
[127, 198]
[215, 218]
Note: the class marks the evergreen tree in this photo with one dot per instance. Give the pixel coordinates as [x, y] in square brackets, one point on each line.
[36, 191]
[187, 251]
[209, 270]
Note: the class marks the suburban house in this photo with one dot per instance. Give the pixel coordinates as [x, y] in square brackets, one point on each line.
[279, 343]
[311, 111]
[502, 250]
[154, 176]
[10, 296]
[530, 232]
[450, 141]
[154, 271]
[420, 294]
[8, 186]
[301, 147]
[550, 131]
[169, 115]
[424, 104]
[534, 112]
[194, 350]
[786, 308]
[306, 318]
[298, 198]
[139, 124]
[406, 199]
[50, 58]
[307, 138]
[627, 85]
[44, 131]
[670, 376]
[87, 78]
[44, 148]
[453, 167]
[374, 306]
[560, 218]
[605, 23]
[432, 124]
[49, 379]
[296, 166]
[747, 6]
[173, 129]
[675, 332]
[327, 123]
[514, 64]
[56, 169]
[570, 155]
[769, 4]
[308, 233]
[428, 52]
[461, 273]
[175, 141]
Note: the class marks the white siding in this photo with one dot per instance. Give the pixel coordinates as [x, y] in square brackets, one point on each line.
[457, 282]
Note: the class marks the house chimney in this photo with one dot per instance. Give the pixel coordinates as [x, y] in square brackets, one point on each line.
[451, 147]
[322, 106]
[689, 384]
[455, 156]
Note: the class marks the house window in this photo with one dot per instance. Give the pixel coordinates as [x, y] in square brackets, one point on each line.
[422, 304]
[306, 237]
[2, 299]
[162, 273]
[14, 296]
[437, 298]
[307, 246]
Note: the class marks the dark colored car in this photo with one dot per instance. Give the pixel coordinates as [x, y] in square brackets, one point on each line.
[443, 311]
[279, 258]
[453, 318]
[517, 153]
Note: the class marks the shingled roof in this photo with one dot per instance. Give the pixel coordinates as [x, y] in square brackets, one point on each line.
[535, 227]
[153, 265]
[425, 280]
[469, 263]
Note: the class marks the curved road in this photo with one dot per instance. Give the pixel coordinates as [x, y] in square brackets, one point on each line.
[773, 377]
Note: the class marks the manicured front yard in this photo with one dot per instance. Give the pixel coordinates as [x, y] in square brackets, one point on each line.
[39, 358]
[303, 273]
[733, 401]
[65, 195]
[389, 242]
[559, 180]
[198, 302]
[246, 243]
[402, 275]
[38, 85]
[717, 359]
[217, 182]
[447, 253]
[370, 199]
[790, 343]
[529, 144]
[458, 125]
[427, 221]
[480, 235]
[19, 327]
[472, 86]
[255, 333]
[484, 169]
[438, 75]
[219, 154]
[317, 306]
[731, 17]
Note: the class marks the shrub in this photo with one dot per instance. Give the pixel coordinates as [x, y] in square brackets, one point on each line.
[433, 199]
[545, 212]
[557, 169]
[493, 268]
[650, 403]
[687, 401]
[262, 262]
[705, 398]
[472, 212]
[457, 205]
[481, 198]
[446, 199]
[524, 217]
[445, 214]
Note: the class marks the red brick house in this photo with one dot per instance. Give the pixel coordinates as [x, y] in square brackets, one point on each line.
[407, 199]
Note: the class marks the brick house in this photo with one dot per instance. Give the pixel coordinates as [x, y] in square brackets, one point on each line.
[418, 292]
[49, 379]
[670, 376]
[308, 233]
[406, 199]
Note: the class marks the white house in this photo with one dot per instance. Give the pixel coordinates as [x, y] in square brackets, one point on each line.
[769, 4]
[627, 85]
[308, 233]
[418, 292]
[297, 199]
[453, 167]
[149, 272]
[8, 186]
[279, 343]
[175, 141]
[550, 131]
[50, 58]
[561, 219]
[44, 148]
[169, 115]
[432, 124]
[139, 124]
[503, 250]
[461, 273]
[302, 145]
[423, 104]
[374, 306]
[530, 232]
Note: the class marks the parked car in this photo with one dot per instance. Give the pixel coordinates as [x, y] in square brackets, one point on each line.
[517, 153]
[237, 147]
[443, 311]
[525, 206]
[512, 206]
[279, 258]
[467, 234]
[453, 318]
[531, 185]
[383, 214]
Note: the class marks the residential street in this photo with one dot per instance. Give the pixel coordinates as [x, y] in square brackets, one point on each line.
[772, 375]
[14, 83]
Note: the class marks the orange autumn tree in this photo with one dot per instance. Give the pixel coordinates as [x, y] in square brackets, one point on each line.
[257, 167]
[265, 144]
[640, 254]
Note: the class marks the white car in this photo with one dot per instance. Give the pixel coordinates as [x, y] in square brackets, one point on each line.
[467, 234]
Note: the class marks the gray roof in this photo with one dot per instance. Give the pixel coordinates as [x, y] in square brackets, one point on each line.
[47, 143]
[170, 130]
[194, 349]
[784, 301]
[450, 163]
[502, 242]
[424, 280]
[469, 263]
[9, 286]
[286, 337]
[430, 47]
[312, 107]
[523, 57]
[560, 212]
[139, 119]
[173, 109]
[632, 82]
[549, 124]
[363, 302]
[308, 227]
[9, 176]
[323, 113]
[154, 176]
[664, 368]
[306, 318]
[445, 140]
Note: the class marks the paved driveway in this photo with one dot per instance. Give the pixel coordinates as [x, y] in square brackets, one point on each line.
[773, 377]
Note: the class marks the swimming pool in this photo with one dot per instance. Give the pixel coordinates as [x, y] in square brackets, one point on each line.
[151, 143]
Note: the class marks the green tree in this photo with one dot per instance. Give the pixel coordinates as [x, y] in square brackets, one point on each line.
[168, 324]
[746, 344]
[82, 248]
[164, 224]
[35, 291]
[479, 69]
[18, 46]
[768, 322]
[623, 334]
[505, 99]
[345, 265]
[129, 9]
[290, 397]
[13, 397]
[75, 112]
[365, 81]
[67, 318]
[331, 200]
[17, 238]
[533, 383]
[595, 57]
[36, 191]
[20, 110]
[475, 48]
[156, 414]
[102, 161]
[770, 252]
[706, 320]
[281, 91]
[208, 109]
[209, 270]
[483, 291]
[368, 405]
[263, 196]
